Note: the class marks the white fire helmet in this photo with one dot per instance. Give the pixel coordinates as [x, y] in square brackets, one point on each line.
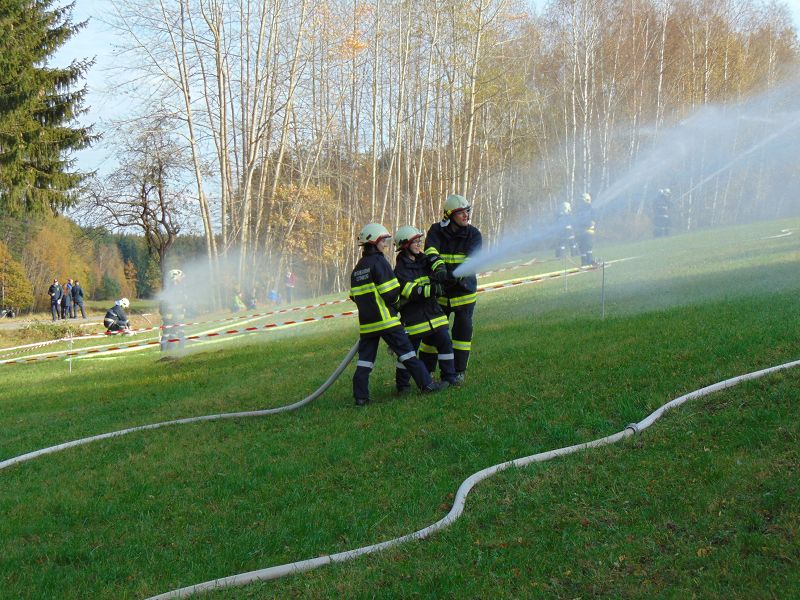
[455, 203]
[372, 233]
[124, 303]
[405, 235]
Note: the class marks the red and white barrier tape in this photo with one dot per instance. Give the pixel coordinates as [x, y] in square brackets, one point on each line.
[236, 318]
[155, 342]
[90, 336]
[489, 287]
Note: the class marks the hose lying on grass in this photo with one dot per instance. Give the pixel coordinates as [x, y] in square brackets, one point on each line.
[251, 413]
[461, 496]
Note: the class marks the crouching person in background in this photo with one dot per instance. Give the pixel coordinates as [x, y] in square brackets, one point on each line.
[376, 291]
[421, 314]
[116, 319]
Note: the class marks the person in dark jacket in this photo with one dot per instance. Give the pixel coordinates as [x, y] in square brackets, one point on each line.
[450, 242]
[420, 312]
[116, 319]
[66, 301]
[55, 291]
[77, 299]
[584, 230]
[565, 235]
[661, 213]
[375, 290]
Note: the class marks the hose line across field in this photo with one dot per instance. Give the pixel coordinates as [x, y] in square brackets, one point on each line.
[461, 496]
[235, 415]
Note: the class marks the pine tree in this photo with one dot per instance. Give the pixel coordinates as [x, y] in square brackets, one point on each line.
[38, 107]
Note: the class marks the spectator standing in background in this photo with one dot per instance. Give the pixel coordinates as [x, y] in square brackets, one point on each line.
[291, 282]
[55, 291]
[66, 301]
[77, 299]
[72, 311]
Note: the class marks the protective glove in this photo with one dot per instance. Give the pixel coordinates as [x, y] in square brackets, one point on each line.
[437, 289]
[439, 275]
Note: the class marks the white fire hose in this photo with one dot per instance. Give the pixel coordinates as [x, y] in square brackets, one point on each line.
[236, 415]
[461, 496]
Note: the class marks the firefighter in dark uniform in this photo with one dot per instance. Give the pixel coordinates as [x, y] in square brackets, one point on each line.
[173, 312]
[564, 232]
[116, 319]
[451, 242]
[376, 291]
[55, 292]
[422, 317]
[584, 228]
[661, 213]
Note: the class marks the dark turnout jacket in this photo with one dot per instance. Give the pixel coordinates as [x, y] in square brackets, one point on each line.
[453, 248]
[375, 290]
[55, 292]
[117, 315]
[421, 312]
[77, 294]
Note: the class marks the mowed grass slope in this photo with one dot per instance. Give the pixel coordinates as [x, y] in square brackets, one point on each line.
[704, 503]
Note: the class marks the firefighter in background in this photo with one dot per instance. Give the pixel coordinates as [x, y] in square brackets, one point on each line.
[661, 213]
[116, 319]
[420, 312]
[376, 291]
[173, 311]
[451, 242]
[564, 231]
[584, 230]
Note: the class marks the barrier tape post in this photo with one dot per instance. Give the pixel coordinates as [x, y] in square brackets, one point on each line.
[603, 293]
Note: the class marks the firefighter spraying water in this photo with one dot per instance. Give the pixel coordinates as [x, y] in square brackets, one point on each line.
[450, 243]
[376, 291]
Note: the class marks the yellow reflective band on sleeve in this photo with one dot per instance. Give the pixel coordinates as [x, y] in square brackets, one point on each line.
[379, 326]
[362, 289]
[431, 251]
[407, 289]
[460, 300]
[453, 259]
[460, 345]
[427, 348]
[437, 264]
[388, 286]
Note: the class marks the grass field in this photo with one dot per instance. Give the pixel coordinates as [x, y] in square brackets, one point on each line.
[704, 504]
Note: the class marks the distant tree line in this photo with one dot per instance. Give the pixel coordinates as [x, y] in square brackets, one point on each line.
[317, 117]
[33, 251]
[281, 126]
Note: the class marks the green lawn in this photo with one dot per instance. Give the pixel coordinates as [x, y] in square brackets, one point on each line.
[703, 504]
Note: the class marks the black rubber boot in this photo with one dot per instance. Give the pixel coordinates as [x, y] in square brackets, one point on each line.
[435, 386]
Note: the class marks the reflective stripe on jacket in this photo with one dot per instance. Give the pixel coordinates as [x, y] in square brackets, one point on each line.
[375, 290]
[421, 313]
[453, 248]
